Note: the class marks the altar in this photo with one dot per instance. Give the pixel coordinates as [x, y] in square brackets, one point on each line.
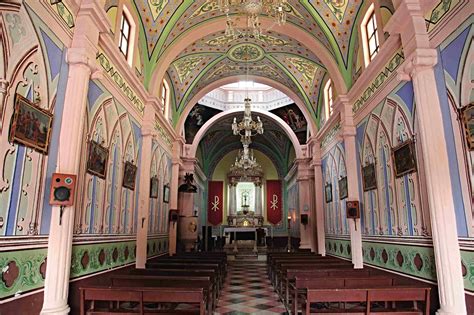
[235, 230]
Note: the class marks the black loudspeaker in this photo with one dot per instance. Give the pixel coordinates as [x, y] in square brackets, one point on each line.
[63, 188]
[353, 210]
[174, 215]
[304, 219]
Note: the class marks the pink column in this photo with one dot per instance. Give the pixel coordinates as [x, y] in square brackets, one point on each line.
[408, 21]
[319, 198]
[91, 20]
[349, 133]
[306, 203]
[176, 160]
[144, 193]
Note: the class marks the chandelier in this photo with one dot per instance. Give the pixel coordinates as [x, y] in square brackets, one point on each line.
[276, 9]
[245, 159]
[247, 128]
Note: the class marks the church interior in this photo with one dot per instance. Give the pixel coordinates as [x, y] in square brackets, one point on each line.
[236, 157]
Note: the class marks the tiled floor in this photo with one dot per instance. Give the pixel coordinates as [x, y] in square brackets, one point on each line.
[248, 290]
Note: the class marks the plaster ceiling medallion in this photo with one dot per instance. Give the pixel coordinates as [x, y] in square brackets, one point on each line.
[246, 53]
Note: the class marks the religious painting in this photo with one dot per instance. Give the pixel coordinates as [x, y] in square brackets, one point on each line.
[197, 117]
[343, 188]
[467, 117]
[154, 187]
[97, 162]
[328, 192]
[404, 158]
[129, 173]
[293, 116]
[166, 193]
[369, 178]
[31, 125]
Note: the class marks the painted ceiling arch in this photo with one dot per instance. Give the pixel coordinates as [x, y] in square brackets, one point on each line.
[272, 55]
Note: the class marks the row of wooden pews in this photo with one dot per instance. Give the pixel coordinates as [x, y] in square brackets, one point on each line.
[311, 284]
[189, 283]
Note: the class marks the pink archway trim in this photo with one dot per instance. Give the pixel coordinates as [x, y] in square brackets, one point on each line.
[274, 84]
[280, 122]
[219, 24]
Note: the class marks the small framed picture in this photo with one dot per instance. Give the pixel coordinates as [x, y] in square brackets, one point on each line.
[154, 187]
[328, 192]
[343, 188]
[166, 193]
[31, 125]
[129, 173]
[467, 117]
[368, 177]
[404, 158]
[97, 162]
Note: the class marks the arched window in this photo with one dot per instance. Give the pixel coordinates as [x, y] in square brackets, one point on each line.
[165, 98]
[126, 34]
[370, 35]
[328, 98]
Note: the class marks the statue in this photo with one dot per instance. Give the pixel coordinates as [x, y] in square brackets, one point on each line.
[188, 185]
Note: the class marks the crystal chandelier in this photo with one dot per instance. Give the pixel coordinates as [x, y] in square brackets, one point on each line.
[247, 128]
[245, 159]
[275, 9]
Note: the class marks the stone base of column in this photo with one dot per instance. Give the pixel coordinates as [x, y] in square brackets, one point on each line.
[451, 312]
[62, 310]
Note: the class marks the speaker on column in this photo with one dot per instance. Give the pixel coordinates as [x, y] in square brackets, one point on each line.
[304, 219]
[63, 190]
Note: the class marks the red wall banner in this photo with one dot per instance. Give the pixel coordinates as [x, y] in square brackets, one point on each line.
[274, 201]
[215, 202]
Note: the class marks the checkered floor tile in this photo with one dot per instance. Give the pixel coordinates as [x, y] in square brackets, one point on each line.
[248, 290]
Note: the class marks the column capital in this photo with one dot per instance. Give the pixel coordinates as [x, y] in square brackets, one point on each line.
[148, 125]
[4, 85]
[418, 61]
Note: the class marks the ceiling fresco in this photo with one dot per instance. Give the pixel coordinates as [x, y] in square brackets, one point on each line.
[328, 21]
[219, 140]
[271, 55]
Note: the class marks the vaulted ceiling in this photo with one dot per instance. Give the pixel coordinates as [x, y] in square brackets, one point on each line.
[165, 27]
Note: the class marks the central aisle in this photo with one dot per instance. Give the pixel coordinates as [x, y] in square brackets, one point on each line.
[247, 290]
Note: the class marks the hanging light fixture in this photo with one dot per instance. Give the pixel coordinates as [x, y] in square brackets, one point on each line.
[275, 9]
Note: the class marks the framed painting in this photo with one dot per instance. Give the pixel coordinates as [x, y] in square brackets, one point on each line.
[154, 187]
[30, 125]
[97, 162]
[404, 158]
[129, 173]
[328, 192]
[166, 193]
[467, 117]
[368, 177]
[343, 188]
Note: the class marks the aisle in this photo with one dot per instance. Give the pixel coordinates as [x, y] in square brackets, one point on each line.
[248, 290]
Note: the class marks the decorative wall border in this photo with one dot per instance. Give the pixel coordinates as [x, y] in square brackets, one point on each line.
[467, 258]
[163, 133]
[338, 247]
[329, 136]
[113, 72]
[389, 69]
[439, 12]
[64, 13]
[24, 270]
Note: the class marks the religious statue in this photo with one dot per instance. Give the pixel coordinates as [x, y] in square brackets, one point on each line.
[188, 185]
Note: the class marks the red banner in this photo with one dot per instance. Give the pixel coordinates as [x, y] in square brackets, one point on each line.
[215, 202]
[274, 201]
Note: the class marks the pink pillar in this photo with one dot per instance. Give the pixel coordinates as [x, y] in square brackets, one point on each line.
[319, 198]
[349, 133]
[419, 67]
[306, 203]
[144, 193]
[91, 21]
[173, 226]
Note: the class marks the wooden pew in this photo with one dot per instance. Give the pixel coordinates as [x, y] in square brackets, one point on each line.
[114, 295]
[346, 280]
[370, 295]
[210, 295]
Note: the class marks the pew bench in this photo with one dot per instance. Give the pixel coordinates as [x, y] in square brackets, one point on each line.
[113, 299]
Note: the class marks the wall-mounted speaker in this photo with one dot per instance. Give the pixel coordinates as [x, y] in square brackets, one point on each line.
[63, 190]
[174, 216]
[304, 219]
[353, 210]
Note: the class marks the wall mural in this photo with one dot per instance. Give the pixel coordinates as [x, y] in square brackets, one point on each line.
[197, 117]
[293, 116]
